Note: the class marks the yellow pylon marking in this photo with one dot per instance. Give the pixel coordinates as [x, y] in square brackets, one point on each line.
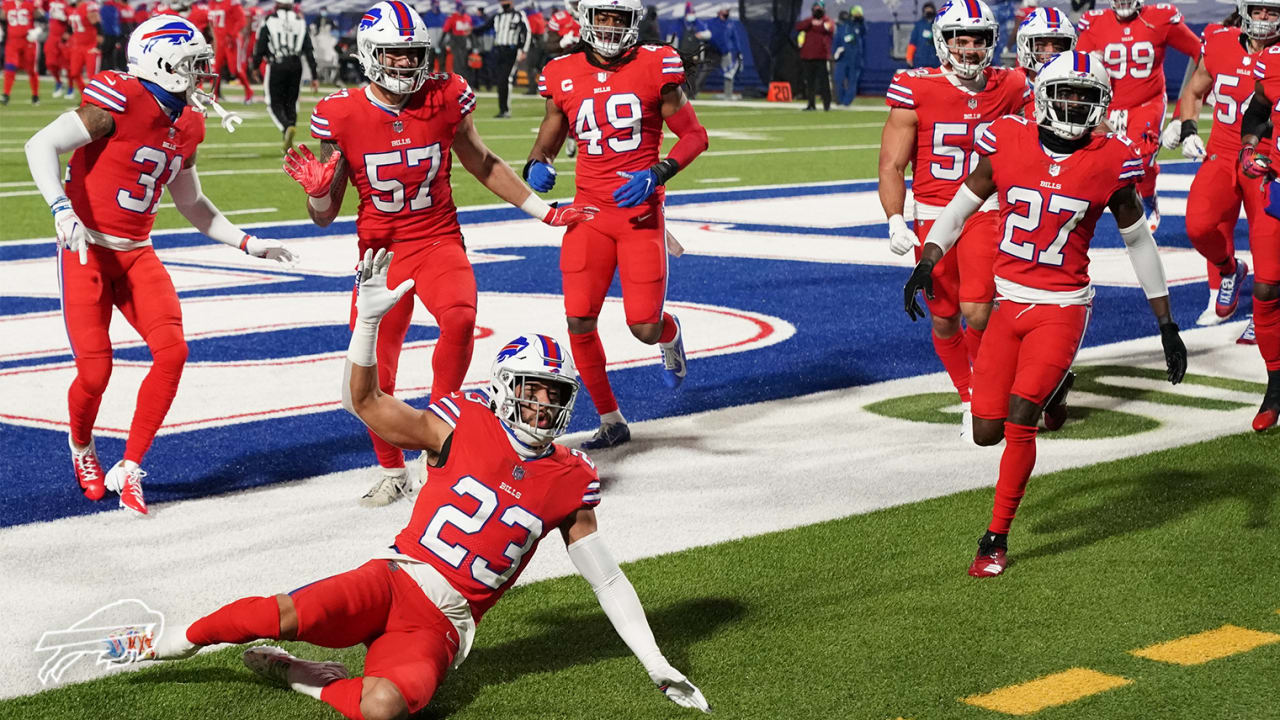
[1206, 646]
[1057, 689]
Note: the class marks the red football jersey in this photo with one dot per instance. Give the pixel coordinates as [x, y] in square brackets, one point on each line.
[1267, 71]
[57, 18]
[399, 161]
[615, 115]
[949, 119]
[1133, 50]
[478, 519]
[1048, 206]
[115, 183]
[20, 15]
[83, 33]
[198, 15]
[1232, 68]
[227, 18]
[563, 23]
[1028, 109]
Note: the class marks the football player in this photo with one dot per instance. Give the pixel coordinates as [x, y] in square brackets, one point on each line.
[615, 95]
[229, 24]
[1227, 69]
[55, 46]
[1054, 177]
[392, 140]
[1262, 115]
[1131, 38]
[935, 117]
[83, 55]
[1045, 33]
[21, 36]
[416, 606]
[134, 135]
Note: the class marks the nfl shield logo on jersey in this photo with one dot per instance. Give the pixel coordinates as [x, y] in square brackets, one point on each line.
[398, 126]
[517, 473]
[602, 76]
[1054, 169]
[973, 103]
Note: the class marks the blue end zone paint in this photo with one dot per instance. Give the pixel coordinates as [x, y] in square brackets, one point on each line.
[850, 330]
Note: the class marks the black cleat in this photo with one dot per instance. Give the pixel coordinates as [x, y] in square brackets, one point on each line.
[1055, 411]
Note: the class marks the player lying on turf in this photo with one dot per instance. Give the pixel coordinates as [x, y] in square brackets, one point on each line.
[497, 483]
[1053, 178]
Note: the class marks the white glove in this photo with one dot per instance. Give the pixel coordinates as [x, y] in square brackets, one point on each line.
[71, 232]
[373, 298]
[1193, 148]
[901, 237]
[678, 689]
[1119, 121]
[1172, 135]
[267, 249]
[34, 34]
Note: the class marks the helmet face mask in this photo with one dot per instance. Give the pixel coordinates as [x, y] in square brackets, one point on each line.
[1045, 33]
[1071, 95]
[533, 385]
[1265, 27]
[1126, 8]
[170, 52]
[388, 34]
[610, 27]
[965, 35]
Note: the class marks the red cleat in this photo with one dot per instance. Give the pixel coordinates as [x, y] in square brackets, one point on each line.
[88, 470]
[1269, 412]
[1266, 418]
[990, 564]
[128, 482]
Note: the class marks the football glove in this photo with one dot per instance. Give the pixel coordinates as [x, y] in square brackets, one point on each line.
[267, 249]
[1252, 163]
[678, 689]
[564, 215]
[921, 280]
[1175, 353]
[314, 176]
[373, 298]
[901, 236]
[1193, 148]
[1118, 120]
[71, 232]
[540, 176]
[638, 187]
[1172, 135]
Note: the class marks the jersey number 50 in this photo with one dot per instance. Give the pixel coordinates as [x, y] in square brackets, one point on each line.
[471, 524]
[410, 157]
[1034, 201]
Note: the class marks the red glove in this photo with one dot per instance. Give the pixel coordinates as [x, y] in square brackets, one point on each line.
[1149, 142]
[314, 176]
[1252, 164]
[569, 215]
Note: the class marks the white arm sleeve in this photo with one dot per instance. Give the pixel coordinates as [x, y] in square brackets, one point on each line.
[1145, 258]
[618, 598]
[946, 229]
[196, 208]
[66, 133]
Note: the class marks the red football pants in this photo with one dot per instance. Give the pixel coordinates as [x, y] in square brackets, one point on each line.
[1146, 118]
[966, 273]
[136, 282]
[79, 60]
[410, 641]
[20, 55]
[1026, 351]
[631, 241]
[229, 62]
[55, 56]
[445, 283]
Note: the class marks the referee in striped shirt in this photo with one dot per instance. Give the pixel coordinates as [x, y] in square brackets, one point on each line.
[510, 45]
[284, 40]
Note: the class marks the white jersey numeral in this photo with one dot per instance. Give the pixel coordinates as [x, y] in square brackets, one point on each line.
[149, 180]
[1228, 110]
[950, 141]
[454, 555]
[1136, 61]
[390, 194]
[622, 112]
[1034, 217]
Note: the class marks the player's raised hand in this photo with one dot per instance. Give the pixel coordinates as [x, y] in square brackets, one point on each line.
[373, 298]
[267, 249]
[921, 280]
[540, 176]
[71, 232]
[678, 689]
[901, 236]
[564, 215]
[1175, 352]
[1253, 163]
[638, 187]
[314, 176]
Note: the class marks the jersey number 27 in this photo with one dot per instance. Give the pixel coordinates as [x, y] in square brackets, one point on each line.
[1036, 207]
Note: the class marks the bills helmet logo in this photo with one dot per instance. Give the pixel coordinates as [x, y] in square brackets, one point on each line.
[174, 33]
[370, 18]
[513, 348]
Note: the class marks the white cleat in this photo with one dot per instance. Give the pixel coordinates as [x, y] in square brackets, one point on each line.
[129, 645]
[1210, 315]
[125, 478]
[285, 670]
[966, 423]
[393, 485]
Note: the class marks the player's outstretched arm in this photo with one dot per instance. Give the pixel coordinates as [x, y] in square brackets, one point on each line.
[897, 145]
[539, 170]
[68, 132]
[622, 606]
[691, 141]
[496, 175]
[1145, 258]
[324, 179]
[204, 216]
[392, 419]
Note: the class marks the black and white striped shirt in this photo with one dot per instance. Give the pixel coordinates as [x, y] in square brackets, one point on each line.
[284, 36]
[510, 28]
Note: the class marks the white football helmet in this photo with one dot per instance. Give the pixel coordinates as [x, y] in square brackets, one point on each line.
[1073, 91]
[965, 17]
[610, 40]
[392, 25]
[1044, 24]
[1260, 30]
[533, 357]
[170, 52]
[1126, 8]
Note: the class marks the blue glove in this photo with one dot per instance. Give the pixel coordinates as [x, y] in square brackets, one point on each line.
[637, 189]
[540, 176]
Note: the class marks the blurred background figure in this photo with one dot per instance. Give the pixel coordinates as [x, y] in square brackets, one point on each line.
[480, 60]
[850, 54]
[815, 35]
[650, 30]
[324, 41]
[434, 19]
[692, 41]
[457, 35]
[511, 36]
[920, 52]
[284, 42]
[537, 53]
[726, 49]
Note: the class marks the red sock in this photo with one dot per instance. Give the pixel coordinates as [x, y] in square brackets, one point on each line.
[588, 357]
[155, 395]
[1266, 326]
[85, 395]
[9, 76]
[955, 359]
[972, 341]
[1015, 469]
[668, 328]
[35, 83]
[344, 696]
[245, 620]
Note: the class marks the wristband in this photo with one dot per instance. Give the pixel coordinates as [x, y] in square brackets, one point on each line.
[664, 170]
[60, 203]
[244, 244]
[1188, 129]
[535, 207]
